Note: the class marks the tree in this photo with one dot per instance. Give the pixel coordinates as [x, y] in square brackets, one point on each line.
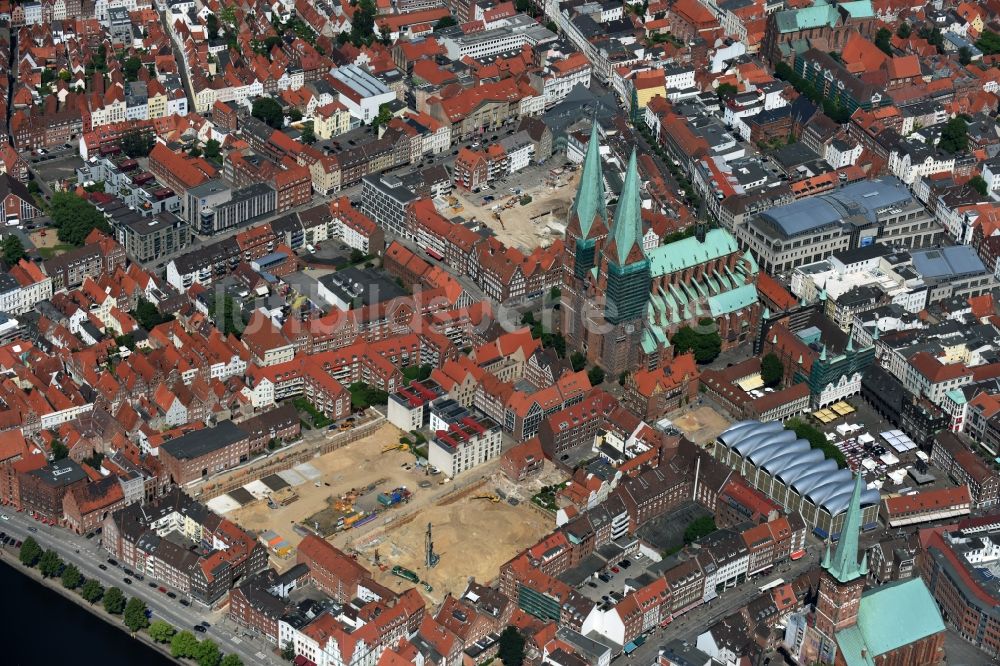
[91, 591]
[883, 40]
[771, 370]
[208, 654]
[816, 439]
[49, 564]
[137, 144]
[132, 67]
[71, 578]
[269, 111]
[904, 30]
[75, 217]
[146, 314]
[384, 116]
[417, 372]
[978, 184]
[232, 660]
[706, 346]
[363, 395]
[726, 90]
[288, 651]
[989, 43]
[59, 450]
[308, 135]
[213, 150]
[596, 375]
[228, 315]
[578, 361]
[363, 23]
[294, 115]
[30, 553]
[13, 249]
[212, 25]
[511, 650]
[114, 601]
[183, 645]
[698, 528]
[135, 615]
[445, 22]
[954, 136]
[964, 55]
[161, 631]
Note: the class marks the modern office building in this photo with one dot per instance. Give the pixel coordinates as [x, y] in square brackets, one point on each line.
[857, 215]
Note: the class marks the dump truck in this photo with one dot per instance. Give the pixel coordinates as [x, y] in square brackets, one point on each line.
[406, 574]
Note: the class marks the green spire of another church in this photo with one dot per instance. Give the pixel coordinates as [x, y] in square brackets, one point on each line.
[589, 199]
[844, 564]
[628, 214]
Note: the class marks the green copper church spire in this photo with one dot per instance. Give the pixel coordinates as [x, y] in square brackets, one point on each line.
[589, 199]
[843, 565]
[628, 213]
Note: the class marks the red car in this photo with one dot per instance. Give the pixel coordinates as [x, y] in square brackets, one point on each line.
[162, 589]
[615, 570]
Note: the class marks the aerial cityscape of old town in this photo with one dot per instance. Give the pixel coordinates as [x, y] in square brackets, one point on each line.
[511, 332]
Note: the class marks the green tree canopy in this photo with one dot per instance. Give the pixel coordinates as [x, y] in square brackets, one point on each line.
[363, 23]
[13, 249]
[59, 450]
[698, 528]
[71, 577]
[816, 439]
[137, 144]
[132, 67]
[596, 375]
[213, 150]
[964, 55]
[979, 184]
[161, 631]
[91, 591]
[232, 660]
[578, 361]
[268, 111]
[706, 346]
[114, 601]
[50, 564]
[384, 116]
[212, 25]
[445, 22]
[511, 650]
[183, 644]
[208, 653]
[989, 42]
[883, 40]
[726, 90]
[288, 651]
[954, 136]
[771, 370]
[75, 217]
[904, 30]
[148, 316]
[308, 135]
[135, 614]
[30, 553]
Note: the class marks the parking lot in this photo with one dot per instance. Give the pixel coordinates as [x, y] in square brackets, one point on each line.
[611, 588]
[55, 166]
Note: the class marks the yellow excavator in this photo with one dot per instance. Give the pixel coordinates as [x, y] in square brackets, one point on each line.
[395, 447]
[492, 498]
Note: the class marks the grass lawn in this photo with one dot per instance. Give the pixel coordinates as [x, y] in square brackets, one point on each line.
[319, 421]
[49, 252]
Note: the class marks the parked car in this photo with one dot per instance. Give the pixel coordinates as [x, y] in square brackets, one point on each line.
[127, 581]
[185, 602]
[172, 595]
[112, 562]
[200, 629]
[102, 567]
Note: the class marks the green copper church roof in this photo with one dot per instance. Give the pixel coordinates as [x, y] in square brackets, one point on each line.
[844, 564]
[589, 199]
[690, 252]
[889, 617]
[733, 300]
[628, 214]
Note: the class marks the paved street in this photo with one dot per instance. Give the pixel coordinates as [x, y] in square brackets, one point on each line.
[87, 554]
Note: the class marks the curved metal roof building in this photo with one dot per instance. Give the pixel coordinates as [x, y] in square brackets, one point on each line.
[772, 448]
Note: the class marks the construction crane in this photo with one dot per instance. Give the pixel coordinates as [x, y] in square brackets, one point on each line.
[395, 447]
[492, 498]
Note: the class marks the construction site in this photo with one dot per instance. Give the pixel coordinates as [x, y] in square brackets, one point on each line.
[470, 532]
[526, 227]
[337, 491]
